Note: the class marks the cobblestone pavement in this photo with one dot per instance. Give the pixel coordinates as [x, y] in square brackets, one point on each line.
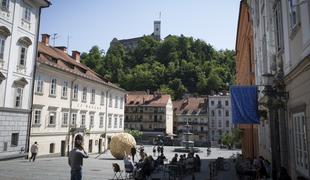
[98, 168]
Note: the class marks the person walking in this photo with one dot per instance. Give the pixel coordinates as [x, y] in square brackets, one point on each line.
[34, 151]
[76, 156]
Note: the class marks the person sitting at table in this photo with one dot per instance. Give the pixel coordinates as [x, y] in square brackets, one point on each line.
[160, 159]
[147, 167]
[174, 159]
[128, 164]
[189, 163]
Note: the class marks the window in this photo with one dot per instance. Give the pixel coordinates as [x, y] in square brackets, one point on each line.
[5, 5]
[227, 123]
[39, 85]
[219, 123]
[52, 118]
[219, 112]
[2, 45]
[293, 13]
[115, 121]
[64, 92]
[91, 121]
[212, 103]
[101, 120]
[53, 86]
[83, 119]
[226, 113]
[37, 116]
[93, 95]
[102, 98]
[110, 100]
[212, 123]
[18, 97]
[84, 96]
[27, 13]
[52, 148]
[226, 103]
[14, 139]
[279, 25]
[65, 117]
[120, 122]
[122, 103]
[73, 119]
[110, 121]
[116, 102]
[23, 56]
[75, 91]
[300, 142]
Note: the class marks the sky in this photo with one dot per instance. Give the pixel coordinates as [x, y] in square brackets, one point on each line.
[97, 22]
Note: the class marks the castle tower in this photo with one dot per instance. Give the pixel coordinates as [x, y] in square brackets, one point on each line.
[157, 30]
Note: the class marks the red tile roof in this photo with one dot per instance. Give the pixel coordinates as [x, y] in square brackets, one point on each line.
[191, 105]
[147, 100]
[60, 60]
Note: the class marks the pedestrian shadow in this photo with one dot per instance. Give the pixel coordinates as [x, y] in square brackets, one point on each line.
[106, 158]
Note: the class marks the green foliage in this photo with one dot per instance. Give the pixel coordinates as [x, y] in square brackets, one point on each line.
[176, 65]
[233, 138]
[135, 133]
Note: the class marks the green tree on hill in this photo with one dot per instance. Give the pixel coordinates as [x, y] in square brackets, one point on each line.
[176, 65]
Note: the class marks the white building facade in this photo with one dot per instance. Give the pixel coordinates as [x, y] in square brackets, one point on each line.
[220, 121]
[285, 57]
[293, 47]
[263, 21]
[19, 26]
[69, 99]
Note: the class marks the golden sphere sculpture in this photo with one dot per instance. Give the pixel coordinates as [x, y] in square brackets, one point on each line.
[121, 145]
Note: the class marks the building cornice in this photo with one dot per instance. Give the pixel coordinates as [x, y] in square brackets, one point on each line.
[302, 66]
[15, 110]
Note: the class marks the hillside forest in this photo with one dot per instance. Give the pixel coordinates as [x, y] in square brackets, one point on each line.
[177, 65]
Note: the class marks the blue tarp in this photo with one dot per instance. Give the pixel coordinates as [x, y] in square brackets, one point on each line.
[244, 104]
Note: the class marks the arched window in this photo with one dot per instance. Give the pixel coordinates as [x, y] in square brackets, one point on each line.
[52, 148]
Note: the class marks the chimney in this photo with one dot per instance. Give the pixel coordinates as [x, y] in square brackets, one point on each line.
[63, 48]
[45, 39]
[76, 55]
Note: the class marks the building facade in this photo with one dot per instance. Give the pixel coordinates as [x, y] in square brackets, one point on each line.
[69, 98]
[19, 26]
[150, 113]
[282, 28]
[245, 75]
[220, 121]
[192, 111]
[293, 60]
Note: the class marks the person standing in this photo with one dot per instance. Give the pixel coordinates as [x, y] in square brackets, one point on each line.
[34, 151]
[154, 151]
[133, 153]
[76, 156]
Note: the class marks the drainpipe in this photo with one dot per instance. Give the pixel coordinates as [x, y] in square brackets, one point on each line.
[27, 144]
[106, 120]
[69, 119]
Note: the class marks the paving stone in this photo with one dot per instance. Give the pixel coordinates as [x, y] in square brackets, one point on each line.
[97, 168]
